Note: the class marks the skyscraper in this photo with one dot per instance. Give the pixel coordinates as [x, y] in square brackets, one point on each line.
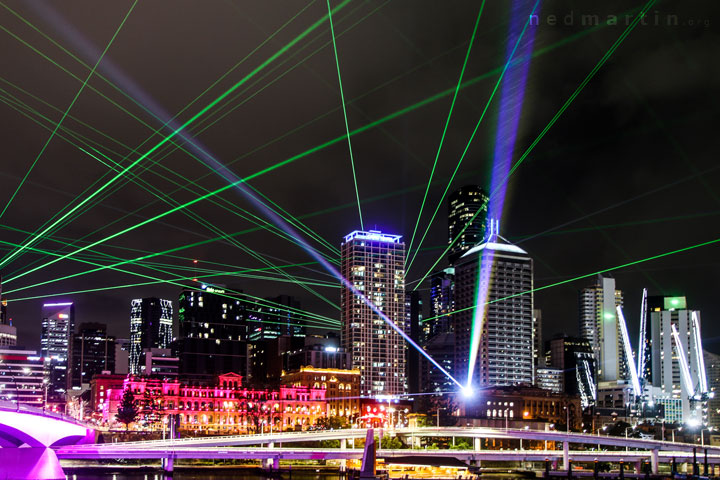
[151, 324]
[374, 263]
[413, 314]
[213, 334]
[58, 326]
[712, 367]
[93, 352]
[666, 314]
[502, 274]
[599, 324]
[464, 203]
[274, 317]
[442, 303]
[538, 353]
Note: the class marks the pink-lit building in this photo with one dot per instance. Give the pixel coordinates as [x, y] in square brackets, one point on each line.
[224, 408]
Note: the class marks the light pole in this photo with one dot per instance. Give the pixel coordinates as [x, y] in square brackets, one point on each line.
[626, 436]
[438, 415]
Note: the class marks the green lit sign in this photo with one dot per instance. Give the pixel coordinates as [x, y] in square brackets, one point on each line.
[672, 303]
[214, 290]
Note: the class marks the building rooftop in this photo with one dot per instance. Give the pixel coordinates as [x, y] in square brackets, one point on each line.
[373, 235]
[499, 247]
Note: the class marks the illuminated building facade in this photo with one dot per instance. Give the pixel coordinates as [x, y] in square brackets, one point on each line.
[549, 378]
[505, 351]
[667, 374]
[151, 325]
[213, 336]
[342, 388]
[500, 406]
[8, 335]
[58, 326]
[22, 376]
[464, 203]
[93, 352]
[225, 407]
[374, 263]
[599, 324]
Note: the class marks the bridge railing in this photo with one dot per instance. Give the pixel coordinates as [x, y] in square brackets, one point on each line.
[21, 408]
[258, 437]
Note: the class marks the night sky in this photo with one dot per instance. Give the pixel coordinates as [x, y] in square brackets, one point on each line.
[630, 170]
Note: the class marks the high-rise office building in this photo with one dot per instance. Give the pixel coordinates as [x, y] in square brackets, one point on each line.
[413, 327]
[464, 205]
[666, 314]
[93, 353]
[151, 325]
[373, 262]
[213, 336]
[712, 368]
[599, 324]
[442, 303]
[274, 317]
[58, 326]
[538, 353]
[575, 358]
[502, 274]
[22, 377]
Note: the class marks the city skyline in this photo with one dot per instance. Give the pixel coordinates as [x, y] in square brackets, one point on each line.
[621, 144]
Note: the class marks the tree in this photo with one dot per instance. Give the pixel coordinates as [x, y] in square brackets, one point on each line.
[331, 423]
[127, 410]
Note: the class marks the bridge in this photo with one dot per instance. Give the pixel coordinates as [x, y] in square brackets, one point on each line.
[271, 448]
[29, 437]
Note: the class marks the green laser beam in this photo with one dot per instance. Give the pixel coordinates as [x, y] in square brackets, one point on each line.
[80, 61]
[77, 95]
[469, 142]
[577, 91]
[447, 123]
[344, 109]
[581, 277]
[403, 111]
[150, 189]
[188, 122]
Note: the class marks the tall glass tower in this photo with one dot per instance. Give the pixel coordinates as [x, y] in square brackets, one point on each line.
[151, 325]
[464, 203]
[599, 325]
[374, 263]
[493, 285]
[58, 326]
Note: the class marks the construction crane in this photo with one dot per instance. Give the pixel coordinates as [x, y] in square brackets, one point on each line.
[642, 348]
[699, 391]
[629, 353]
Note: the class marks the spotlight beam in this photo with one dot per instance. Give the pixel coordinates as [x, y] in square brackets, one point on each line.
[447, 124]
[178, 130]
